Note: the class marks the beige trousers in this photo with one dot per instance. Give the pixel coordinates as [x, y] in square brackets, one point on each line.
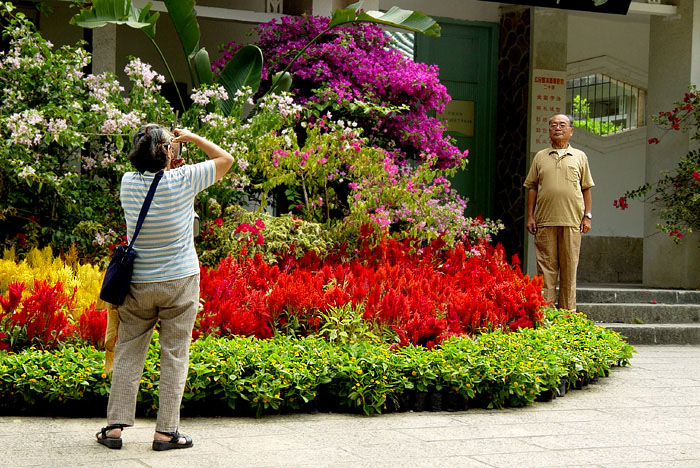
[174, 303]
[557, 249]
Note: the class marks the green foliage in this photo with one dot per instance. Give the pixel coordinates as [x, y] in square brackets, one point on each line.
[70, 373]
[345, 324]
[289, 374]
[307, 171]
[244, 70]
[281, 235]
[582, 108]
[183, 17]
[105, 12]
[335, 177]
[66, 137]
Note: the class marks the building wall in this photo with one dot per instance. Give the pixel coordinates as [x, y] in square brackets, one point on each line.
[674, 63]
[617, 161]
[57, 27]
[132, 42]
[624, 37]
[618, 46]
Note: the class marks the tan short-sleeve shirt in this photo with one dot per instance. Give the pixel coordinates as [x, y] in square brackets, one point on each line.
[559, 181]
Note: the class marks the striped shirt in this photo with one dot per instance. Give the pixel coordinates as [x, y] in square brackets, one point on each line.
[165, 246]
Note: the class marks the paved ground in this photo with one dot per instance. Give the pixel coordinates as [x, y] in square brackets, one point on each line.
[647, 415]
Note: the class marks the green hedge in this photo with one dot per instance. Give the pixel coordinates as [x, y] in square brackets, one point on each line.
[250, 376]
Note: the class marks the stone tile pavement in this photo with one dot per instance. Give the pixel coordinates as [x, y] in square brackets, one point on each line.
[643, 416]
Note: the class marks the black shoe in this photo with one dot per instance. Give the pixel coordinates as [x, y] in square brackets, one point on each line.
[110, 442]
[173, 443]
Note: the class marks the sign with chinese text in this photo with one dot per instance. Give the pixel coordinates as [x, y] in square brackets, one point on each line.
[460, 118]
[548, 98]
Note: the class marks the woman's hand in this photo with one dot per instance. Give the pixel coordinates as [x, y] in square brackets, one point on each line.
[222, 159]
[183, 136]
[176, 162]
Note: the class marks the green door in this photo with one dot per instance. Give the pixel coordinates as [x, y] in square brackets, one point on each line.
[467, 54]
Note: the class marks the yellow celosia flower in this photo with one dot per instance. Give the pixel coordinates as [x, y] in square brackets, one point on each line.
[83, 282]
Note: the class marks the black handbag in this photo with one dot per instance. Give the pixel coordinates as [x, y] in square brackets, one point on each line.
[117, 282]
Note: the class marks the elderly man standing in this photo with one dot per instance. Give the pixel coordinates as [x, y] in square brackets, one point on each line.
[559, 210]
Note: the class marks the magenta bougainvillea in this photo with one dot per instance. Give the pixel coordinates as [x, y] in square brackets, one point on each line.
[356, 63]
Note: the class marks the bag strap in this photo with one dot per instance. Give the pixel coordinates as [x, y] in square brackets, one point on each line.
[146, 206]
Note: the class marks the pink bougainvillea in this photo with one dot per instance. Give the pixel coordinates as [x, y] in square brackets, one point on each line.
[357, 63]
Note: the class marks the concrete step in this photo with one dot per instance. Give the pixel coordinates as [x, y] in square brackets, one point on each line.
[657, 334]
[634, 294]
[641, 313]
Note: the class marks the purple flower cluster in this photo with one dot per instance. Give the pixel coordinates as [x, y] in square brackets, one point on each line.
[357, 63]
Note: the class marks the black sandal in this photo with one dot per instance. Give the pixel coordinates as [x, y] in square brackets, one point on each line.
[160, 445]
[110, 442]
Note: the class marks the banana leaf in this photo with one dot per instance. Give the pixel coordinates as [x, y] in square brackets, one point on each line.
[244, 69]
[282, 81]
[202, 66]
[396, 17]
[117, 12]
[184, 19]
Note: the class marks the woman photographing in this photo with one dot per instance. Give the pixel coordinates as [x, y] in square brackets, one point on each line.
[165, 281]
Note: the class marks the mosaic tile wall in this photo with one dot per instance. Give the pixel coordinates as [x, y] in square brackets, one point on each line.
[511, 127]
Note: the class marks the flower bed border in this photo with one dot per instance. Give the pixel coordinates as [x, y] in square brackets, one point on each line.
[246, 376]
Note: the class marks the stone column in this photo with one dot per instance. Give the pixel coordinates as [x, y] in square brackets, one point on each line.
[674, 63]
[512, 126]
[548, 51]
[104, 49]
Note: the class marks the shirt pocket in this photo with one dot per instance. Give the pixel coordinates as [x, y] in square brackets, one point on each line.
[573, 174]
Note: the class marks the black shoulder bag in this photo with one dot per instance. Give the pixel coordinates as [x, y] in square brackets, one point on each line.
[117, 280]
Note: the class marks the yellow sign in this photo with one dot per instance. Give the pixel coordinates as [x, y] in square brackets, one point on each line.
[460, 118]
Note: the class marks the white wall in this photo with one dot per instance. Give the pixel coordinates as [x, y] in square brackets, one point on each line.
[617, 165]
[618, 46]
[623, 37]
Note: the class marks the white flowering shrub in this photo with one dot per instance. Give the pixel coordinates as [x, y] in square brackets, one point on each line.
[63, 140]
[64, 137]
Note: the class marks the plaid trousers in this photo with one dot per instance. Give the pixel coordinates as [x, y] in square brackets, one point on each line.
[557, 249]
[174, 303]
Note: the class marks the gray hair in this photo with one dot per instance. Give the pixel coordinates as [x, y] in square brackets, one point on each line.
[150, 153]
[571, 119]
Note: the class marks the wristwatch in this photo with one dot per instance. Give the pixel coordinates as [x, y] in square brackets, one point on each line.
[588, 215]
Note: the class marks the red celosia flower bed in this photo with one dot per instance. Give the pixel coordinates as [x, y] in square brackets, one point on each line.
[42, 318]
[424, 296]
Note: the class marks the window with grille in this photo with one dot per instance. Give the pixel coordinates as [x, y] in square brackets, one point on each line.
[604, 105]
